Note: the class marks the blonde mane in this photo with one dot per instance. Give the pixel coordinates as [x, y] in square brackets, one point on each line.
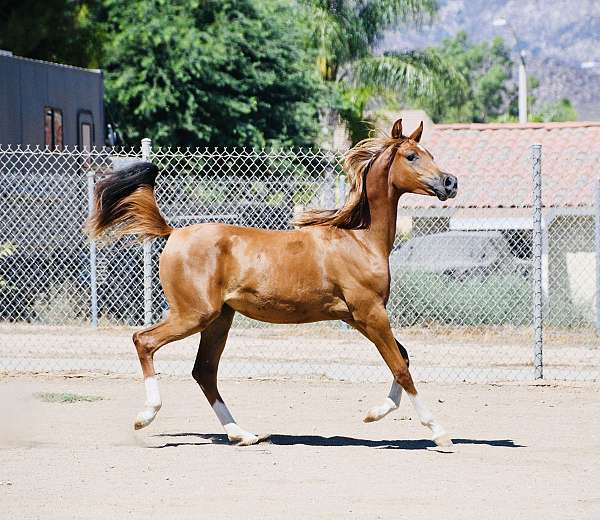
[355, 213]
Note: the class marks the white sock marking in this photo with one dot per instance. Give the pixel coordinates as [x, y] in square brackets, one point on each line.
[395, 393]
[152, 392]
[391, 403]
[152, 404]
[233, 431]
[223, 413]
[426, 417]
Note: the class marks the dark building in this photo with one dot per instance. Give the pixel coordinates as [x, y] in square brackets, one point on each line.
[49, 104]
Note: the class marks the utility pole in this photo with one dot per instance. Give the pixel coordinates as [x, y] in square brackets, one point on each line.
[522, 89]
[501, 22]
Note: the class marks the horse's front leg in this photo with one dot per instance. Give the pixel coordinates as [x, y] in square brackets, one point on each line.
[372, 321]
[392, 401]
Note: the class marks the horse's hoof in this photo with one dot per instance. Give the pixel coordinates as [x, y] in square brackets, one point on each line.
[144, 418]
[378, 412]
[246, 440]
[443, 441]
[373, 416]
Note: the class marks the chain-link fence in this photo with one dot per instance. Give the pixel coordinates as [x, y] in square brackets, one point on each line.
[473, 281]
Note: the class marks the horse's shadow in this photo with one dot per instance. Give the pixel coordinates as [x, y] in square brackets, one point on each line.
[320, 441]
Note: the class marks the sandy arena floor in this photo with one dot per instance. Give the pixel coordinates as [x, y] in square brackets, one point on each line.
[441, 355]
[523, 451]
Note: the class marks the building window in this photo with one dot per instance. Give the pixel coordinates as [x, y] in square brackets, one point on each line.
[86, 136]
[53, 128]
[85, 123]
[86, 139]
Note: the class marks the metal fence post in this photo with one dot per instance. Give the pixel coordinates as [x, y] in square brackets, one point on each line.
[598, 256]
[329, 187]
[341, 190]
[146, 152]
[93, 263]
[536, 163]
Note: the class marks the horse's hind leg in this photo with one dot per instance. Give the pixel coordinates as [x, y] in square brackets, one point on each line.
[212, 343]
[147, 342]
[392, 401]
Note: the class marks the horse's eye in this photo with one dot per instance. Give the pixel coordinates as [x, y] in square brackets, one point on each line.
[412, 157]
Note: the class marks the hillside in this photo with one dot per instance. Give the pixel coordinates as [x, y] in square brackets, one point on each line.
[558, 36]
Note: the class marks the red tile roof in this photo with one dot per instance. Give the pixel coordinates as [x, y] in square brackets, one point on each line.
[493, 163]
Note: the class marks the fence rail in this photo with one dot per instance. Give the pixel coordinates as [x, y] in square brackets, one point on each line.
[479, 293]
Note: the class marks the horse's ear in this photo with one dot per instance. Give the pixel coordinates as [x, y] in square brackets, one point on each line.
[397, 129]
[416, 135]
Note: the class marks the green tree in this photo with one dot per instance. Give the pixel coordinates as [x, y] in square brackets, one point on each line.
[562, 110]
[488, 88]
[512, 114]
[550, 111]
[345, 34]
[209, 72]
[489, 92]
[63, 31]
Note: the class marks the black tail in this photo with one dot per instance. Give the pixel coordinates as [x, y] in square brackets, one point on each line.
[125, 198]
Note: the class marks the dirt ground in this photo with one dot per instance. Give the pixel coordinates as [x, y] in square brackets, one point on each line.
[437, 354]
[522, 451]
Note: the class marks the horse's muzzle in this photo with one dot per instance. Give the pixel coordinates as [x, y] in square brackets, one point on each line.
[447, 188]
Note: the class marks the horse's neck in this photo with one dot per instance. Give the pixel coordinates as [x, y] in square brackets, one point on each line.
[383, 205]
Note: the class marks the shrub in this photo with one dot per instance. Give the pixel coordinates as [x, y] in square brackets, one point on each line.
[425, 297]
[6, 250]
[60, 305]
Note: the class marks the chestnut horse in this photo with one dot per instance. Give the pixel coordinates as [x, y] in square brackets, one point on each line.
[334, 266]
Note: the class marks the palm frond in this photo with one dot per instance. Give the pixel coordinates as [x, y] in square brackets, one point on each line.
[378, 15]
[346, 30]
[411, 74]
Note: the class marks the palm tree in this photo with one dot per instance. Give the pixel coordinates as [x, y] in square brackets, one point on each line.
[345, 33]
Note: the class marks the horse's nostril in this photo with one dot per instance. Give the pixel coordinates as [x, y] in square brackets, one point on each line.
[450, 183]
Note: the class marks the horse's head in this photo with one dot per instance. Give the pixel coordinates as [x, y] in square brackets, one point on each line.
[413, 169]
